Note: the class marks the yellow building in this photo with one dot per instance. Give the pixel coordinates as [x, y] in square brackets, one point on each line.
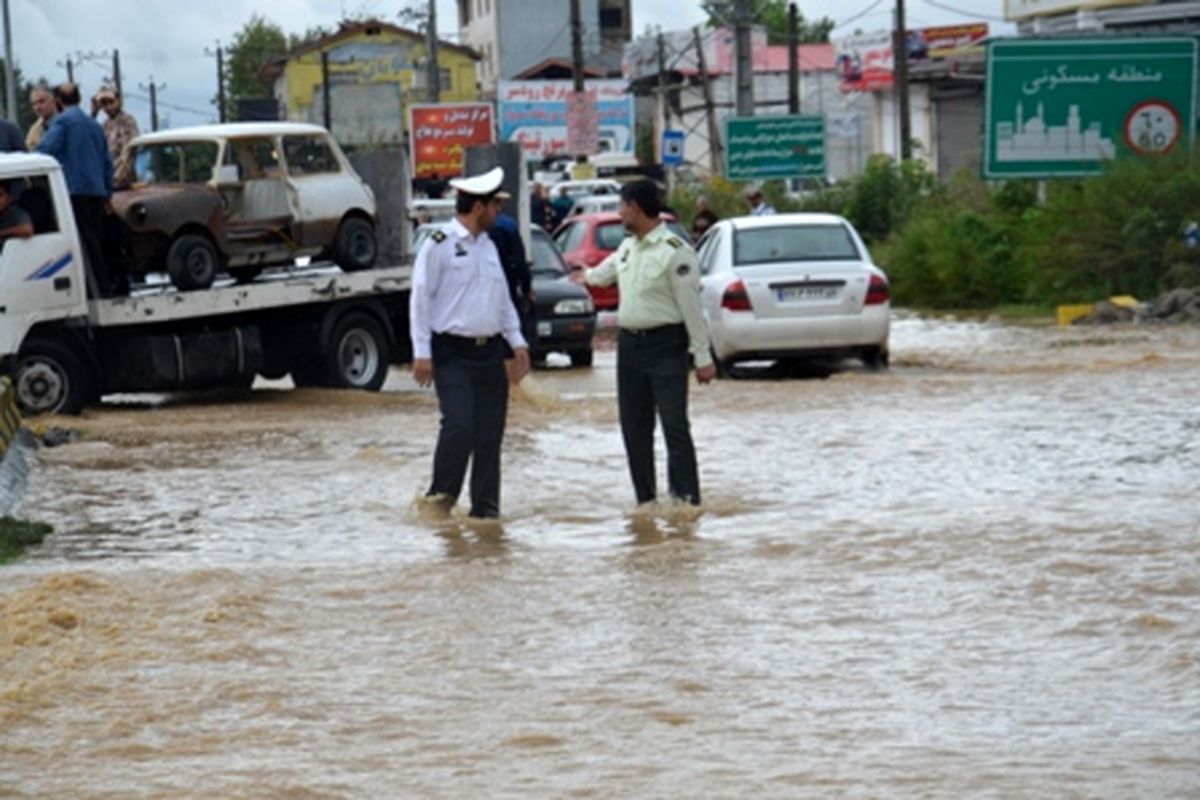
[375, 72]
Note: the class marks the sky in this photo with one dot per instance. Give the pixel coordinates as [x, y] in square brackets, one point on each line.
[164, 41]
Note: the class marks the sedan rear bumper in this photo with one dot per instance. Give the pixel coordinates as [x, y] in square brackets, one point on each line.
[565, 334]
[740, 334]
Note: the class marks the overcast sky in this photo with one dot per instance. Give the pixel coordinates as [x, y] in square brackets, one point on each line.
[167, 39]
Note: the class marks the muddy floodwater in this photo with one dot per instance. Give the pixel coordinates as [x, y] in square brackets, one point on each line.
[977, 574]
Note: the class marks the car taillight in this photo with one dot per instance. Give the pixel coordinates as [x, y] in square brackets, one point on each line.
[735, 297]
[878, 292]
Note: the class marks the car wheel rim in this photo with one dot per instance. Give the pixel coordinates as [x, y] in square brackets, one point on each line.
[362, 246]
[358, 357]
[42, 386]
[199, 264]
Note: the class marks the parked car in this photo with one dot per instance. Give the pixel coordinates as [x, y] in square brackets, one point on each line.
[582, 188]
[241, 197]
[587, 239]
[592, 203]
[792, 286]
[564, 315]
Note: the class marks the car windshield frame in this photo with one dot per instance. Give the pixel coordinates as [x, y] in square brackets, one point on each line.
[186, 150]
[743, 236]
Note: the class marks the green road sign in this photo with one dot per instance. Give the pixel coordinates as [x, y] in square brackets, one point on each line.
[1062, 107]
[757, 148]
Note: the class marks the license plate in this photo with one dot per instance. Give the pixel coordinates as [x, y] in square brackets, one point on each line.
[544, 329]
[805, 294]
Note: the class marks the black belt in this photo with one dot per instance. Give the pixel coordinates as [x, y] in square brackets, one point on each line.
[474, 341]
[656, 331]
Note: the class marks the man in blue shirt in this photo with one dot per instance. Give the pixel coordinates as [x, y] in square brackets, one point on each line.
[78, 142]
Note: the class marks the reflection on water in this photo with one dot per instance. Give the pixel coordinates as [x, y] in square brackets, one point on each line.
[974, 574]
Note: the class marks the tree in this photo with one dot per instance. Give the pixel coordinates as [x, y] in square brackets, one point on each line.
[773, 15]
[259, 41]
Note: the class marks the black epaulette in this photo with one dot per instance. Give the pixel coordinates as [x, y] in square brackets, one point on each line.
[674, 242]
[438, 236]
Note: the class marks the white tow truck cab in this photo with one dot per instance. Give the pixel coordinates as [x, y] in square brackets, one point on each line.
[64, 347]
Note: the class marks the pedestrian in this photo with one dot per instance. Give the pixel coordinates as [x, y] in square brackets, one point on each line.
[506, 235]
[41, 99]
[11, 140]
[661, 323]
[14, 221]
[540, 212]
[460, 316]
[758, 207]
[704, 219]
[120, 128]
[78, 142]
[561, 205]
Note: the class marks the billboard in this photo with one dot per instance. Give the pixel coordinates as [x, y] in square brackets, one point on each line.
[534, 114]
[439, 133]
[1024, 9]
[1062, 107]
[865, 62]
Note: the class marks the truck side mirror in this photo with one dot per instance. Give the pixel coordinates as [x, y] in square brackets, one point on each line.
[227, 175]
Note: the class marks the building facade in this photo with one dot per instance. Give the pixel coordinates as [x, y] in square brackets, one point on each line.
[511, 37]
[375, 72]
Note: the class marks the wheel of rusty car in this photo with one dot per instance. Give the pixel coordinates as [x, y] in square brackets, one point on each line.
[358, 354]
[355, 245]
[192, 262]
[51, 378]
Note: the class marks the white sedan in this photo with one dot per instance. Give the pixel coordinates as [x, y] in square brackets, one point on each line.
[793, 286]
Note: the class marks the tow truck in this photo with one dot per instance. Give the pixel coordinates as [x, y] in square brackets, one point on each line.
[64, 347]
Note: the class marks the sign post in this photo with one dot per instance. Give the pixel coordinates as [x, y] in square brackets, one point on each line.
[1063, 107]
[759, 148]
[672, 148]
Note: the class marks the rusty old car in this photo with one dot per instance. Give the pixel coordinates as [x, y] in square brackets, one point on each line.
[241, 197]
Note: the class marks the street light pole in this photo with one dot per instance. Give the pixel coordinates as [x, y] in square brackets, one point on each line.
[10, 70]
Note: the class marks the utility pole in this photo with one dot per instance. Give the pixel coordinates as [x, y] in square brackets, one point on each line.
[220, 54]
[153, 89]
[70, 65]
[900, 51]
[662, 82]
[433, 75]
[745, 58]
[577, 61]
[116, 76]
[326, 99]
[714, 133]
[793, 40]
[10, 71]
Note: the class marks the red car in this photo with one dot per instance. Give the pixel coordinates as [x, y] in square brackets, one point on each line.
[587, 239]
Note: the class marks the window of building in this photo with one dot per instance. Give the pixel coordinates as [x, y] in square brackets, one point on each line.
[611, 19]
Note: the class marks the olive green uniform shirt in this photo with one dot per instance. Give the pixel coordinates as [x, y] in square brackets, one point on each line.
[659, 281]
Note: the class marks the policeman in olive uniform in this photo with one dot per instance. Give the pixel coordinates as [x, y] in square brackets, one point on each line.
[460, 316]
[661, 323]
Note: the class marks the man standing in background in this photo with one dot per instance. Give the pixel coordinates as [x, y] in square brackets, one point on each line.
[119, 130]
[42, 101]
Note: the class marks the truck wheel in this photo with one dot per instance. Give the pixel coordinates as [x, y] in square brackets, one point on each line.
[192, 262]
[581, 358]
[358, 354]
[51, 378]
[355, 245]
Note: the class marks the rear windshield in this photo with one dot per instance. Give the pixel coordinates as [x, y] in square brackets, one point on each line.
[794, 243]
[610, 235]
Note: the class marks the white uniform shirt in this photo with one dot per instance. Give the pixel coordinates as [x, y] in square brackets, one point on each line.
[459, 288]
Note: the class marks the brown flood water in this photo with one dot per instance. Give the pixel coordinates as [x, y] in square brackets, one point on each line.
[975, 575]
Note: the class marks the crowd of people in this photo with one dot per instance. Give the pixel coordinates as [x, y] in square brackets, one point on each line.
[94, 160]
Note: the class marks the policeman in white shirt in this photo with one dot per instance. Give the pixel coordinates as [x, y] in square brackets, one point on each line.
[460, 315]
[758, 207]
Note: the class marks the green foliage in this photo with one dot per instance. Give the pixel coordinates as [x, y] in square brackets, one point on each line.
[883, 197]
[256, 43]
[18, 534]
[773, 15]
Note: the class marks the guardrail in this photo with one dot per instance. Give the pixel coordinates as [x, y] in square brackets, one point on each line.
[10, 417]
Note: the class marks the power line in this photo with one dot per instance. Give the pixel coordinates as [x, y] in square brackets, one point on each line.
[857, 16]
[962, 12]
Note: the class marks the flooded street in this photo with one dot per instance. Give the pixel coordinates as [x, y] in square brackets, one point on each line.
[975, 574]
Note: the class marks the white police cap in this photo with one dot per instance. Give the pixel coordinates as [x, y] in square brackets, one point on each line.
[482, 185]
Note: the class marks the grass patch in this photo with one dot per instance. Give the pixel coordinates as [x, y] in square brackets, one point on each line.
[17, 534]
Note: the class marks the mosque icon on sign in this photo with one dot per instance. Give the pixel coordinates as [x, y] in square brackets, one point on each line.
[1033, 140]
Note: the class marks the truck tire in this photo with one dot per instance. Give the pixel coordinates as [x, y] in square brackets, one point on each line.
[358, 353]
[193, 262]
[581, 358]
[355, 245]
[51, 378]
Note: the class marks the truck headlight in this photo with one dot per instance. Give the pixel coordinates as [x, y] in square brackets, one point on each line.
[564, 308]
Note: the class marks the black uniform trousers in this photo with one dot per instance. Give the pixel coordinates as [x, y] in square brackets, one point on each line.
[652, 377]
[472, 390]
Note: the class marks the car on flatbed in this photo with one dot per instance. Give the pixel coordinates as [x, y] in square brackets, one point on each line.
[239, 197]
[64, 349]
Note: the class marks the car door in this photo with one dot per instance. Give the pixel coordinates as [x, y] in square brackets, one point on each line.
[259, 205]
[322, 190]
